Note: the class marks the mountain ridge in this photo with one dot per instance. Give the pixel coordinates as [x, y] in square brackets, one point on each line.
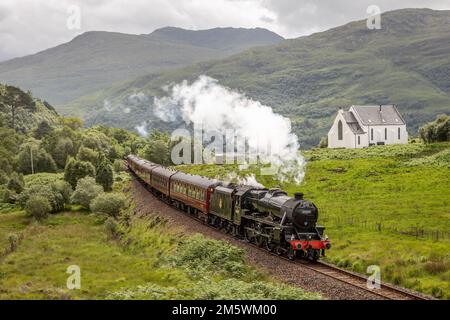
[307, 79]
[96, 59]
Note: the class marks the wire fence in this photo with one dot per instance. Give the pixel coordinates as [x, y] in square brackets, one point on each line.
[380, 226]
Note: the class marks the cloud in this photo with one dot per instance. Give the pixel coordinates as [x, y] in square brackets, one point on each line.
[28, 26]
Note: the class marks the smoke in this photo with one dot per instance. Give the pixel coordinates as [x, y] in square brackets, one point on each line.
[249, 180]
[268, 135]
[142, 129]
[107, 105]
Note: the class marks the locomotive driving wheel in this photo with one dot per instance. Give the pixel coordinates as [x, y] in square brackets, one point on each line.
[261, 241]
[248, 235]
[291, 253]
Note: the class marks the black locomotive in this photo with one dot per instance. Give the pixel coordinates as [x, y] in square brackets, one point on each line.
[267, 217]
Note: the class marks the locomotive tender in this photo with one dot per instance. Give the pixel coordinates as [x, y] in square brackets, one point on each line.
[269, 218]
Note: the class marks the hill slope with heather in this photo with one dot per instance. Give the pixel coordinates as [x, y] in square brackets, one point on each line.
[406, 63]
[28, 111]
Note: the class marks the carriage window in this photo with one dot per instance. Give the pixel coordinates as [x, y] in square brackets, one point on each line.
[359, 139]
[398, 131]
[385, 133]
[371, 134]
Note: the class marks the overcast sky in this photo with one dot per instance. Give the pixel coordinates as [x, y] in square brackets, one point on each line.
[28, 26]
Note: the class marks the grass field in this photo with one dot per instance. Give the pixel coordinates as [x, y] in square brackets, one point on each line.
[133, 258]
[386, 206]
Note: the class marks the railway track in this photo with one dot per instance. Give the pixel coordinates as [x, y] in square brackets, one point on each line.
[386, 291]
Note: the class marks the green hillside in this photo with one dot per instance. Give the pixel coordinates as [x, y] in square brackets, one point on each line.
[387, 206]
[406, 63]
[95, 60]
[28, 111]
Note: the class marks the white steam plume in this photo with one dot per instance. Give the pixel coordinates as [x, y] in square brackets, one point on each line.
[268, 135]
[142, 129]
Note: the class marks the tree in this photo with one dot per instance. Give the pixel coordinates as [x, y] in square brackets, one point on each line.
[118, 165]
[51, 192]
[15, 99]
[63, 149]
[87, 154]
[86, 191]
[38, 207]
[73, 123]
[158, 151]
[42, 130]
[109, 203]
[33, 159]
[76, 169]
[323, 142]
[104, 175]
[64, 189]
[436, 131]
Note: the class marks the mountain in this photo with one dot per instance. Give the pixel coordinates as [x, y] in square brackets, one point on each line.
[228, 40]
[22, 111]
[95, 60]
[406, 62]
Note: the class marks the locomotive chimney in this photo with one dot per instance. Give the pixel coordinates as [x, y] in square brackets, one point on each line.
[299, 195]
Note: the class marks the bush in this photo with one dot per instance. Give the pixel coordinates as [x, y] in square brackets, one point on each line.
[112, 229]
[436, 131]
[16, 183]
[76, 169]
[64, 188]
[104, 175]
[88, 155]
[38, 207]
[323, 142]
[118, 166]
[201, 255]
[86, 191]
[13, 240]
[109, 203]
[51, 194]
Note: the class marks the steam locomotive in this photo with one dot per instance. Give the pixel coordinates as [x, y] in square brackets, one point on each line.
[268, 218]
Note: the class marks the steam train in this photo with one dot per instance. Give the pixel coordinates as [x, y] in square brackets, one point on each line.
[268, 218]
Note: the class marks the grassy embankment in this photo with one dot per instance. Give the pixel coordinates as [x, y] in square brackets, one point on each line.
[132, 258]
[386, 206]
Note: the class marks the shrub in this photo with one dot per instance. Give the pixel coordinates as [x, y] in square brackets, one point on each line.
[38, 207]
[64, 188]
[89, 155]
[3, 177]
[109, 203]
[118, 166]
[76, 169]
[112, 229]
[13, 240]
[86, 191]
[201, 255]
[51, 194]
[223, 289]
[436, 131]
[16, 183]
[104, 175]
[323, 142]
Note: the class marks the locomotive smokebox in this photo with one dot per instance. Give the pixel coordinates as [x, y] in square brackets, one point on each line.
[299, 195]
